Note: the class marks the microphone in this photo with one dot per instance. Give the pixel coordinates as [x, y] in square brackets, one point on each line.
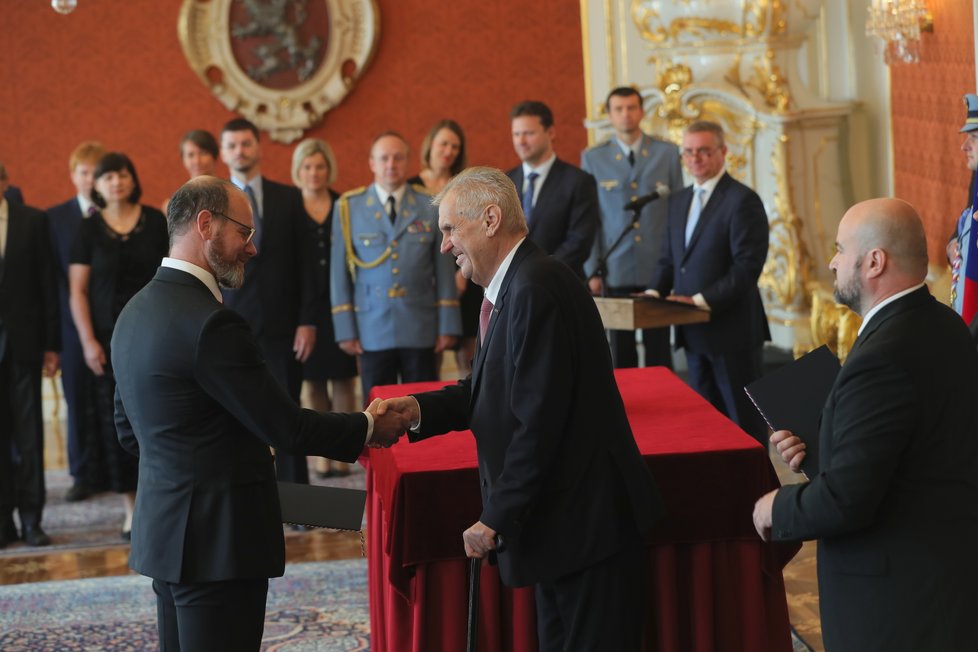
[661, 190]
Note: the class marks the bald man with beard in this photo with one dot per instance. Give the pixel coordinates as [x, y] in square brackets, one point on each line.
[894, 504]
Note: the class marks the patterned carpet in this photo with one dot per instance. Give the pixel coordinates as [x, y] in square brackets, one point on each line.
[316, 606]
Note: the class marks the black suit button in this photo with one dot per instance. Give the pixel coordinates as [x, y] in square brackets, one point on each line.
[682, 270]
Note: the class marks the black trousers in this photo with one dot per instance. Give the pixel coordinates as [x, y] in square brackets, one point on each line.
[393, 366]
[75, 382]
[720, 378]
[281, 361]
[21, 440]
[211, 616]
[624, 351]
[596, 609]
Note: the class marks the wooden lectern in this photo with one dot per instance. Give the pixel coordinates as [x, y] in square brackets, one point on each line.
[632, 313]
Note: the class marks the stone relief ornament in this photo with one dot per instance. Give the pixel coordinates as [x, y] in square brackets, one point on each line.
[280, 63]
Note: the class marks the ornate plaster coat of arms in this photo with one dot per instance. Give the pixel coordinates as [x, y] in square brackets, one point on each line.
[281, 63]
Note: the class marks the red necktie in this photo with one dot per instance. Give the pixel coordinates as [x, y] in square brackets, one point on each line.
[484, 313]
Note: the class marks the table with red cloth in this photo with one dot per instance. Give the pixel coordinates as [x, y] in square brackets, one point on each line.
[713, 585]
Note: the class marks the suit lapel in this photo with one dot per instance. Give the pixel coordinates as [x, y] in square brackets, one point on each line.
[10, 250]
[706, 214]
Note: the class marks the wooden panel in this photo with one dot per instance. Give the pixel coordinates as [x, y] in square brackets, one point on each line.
[629, 314]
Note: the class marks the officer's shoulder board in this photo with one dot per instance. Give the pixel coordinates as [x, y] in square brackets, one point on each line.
[421, 188]
[356, 192]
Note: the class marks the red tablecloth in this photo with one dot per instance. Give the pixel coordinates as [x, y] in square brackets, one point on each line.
[714, 586]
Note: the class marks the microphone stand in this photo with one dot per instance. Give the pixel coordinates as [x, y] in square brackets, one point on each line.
[601, 271]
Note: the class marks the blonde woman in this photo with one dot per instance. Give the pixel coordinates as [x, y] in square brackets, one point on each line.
[313, 171]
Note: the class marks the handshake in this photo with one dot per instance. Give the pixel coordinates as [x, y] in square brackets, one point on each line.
[392, 418]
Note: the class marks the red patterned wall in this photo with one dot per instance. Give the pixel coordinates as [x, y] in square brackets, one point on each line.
[928, 110]
[114, 71]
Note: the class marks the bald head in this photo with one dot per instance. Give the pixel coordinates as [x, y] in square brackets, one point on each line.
[881, 250]
[894, 226]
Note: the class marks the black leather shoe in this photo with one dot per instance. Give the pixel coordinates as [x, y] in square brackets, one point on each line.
[35, 536]
[127, 535]
[79, 491]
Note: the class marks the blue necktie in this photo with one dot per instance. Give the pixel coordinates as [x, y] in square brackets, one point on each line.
[257, 213]
[694, 213]
[531, 180]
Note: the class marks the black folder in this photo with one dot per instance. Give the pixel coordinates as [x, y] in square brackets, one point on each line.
[792, 398]
[332, 507]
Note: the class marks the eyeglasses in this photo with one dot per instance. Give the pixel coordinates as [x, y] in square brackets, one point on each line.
[250, 229]
[699, 152]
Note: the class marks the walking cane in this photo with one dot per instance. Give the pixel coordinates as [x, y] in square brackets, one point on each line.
[475, 570]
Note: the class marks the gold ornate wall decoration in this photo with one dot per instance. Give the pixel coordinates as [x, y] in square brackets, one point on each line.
[758, 18]
[281, 63]
[833, 324]
[771, 83]
[786, 278]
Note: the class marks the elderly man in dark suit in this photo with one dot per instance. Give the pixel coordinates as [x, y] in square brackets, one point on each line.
[895, 502]
[559, 200]
[715, 248]
[199, 406]
[30, 339]
[279, 295]
[65, 219]
[566, 495]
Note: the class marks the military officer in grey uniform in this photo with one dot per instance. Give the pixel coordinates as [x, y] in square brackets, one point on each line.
[394, 298]
[626, 167]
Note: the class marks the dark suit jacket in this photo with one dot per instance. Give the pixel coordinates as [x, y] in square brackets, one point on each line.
[723, 261]
[278, 295]
[64, 219]
[895, 501]
[29, 322]
[565, 217]
[196, 403]
[563, 483]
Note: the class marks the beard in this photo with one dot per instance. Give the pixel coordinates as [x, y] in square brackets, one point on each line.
[850, 293]
[229, 273]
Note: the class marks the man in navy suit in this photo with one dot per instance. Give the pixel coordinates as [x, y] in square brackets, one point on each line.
[278, 297]
[716, 244]
[566, 494]
[559, 200]
[64, 219]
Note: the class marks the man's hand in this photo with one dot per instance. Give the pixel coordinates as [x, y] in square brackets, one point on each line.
[444, 342]
[406, 406]
[51, 361]
[479, 540]
[952, 250]
[94, 356]
[763, 515]
[594, 284]
[388, 426]
[790, 447]
[679, 298]
[351, 347]
[304, 343]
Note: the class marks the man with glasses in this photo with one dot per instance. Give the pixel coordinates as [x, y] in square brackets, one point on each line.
[395, 303]
[278, 297]
[716, 244]
[198, 405]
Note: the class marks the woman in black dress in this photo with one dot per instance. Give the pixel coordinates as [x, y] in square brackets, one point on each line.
[442, 157]
[115, 253]
[313, 170]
